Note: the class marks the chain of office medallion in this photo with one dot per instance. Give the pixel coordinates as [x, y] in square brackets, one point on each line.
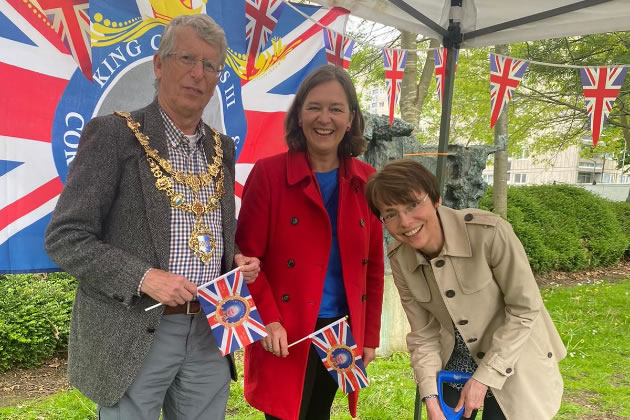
[157, 164]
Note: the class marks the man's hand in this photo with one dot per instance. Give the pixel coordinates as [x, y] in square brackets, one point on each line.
[471, 397]
[168, 288]
[250, 267]
[276, 340]
[368, 355]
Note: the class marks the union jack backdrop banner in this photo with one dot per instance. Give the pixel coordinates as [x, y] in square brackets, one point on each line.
[72, 23]
[440, 69]
[601, 86]
[394, 62]
[341, 357]
[63, 62]
[231, 312]
[338, 48]
[505, 75]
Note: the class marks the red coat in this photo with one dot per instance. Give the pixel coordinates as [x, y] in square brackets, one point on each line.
[283, 222]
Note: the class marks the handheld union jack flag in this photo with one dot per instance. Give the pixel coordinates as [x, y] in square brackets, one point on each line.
[440, 69]
[394, 62]
[601, 86]
[231, 312]
[340, 355]
[262, 16]
[505, 75]
[338, 48]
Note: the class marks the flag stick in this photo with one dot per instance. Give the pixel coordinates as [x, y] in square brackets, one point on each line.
[153, 306]
[205, 284]
[318, 331]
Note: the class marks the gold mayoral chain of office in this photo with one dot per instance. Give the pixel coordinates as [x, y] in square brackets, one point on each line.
[201, 240]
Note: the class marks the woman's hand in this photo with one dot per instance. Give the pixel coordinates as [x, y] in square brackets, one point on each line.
[472, 396]
[434, 412]
[250, 267]
[368, 355]
[276, 340]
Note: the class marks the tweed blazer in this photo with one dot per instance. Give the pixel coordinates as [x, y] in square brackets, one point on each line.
[109, 227]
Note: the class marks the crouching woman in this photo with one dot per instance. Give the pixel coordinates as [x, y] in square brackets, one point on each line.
[471, 300]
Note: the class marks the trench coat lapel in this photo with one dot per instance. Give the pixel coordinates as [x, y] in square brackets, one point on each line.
[456, 240]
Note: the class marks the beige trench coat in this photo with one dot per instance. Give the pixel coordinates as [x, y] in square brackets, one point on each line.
[481, 282]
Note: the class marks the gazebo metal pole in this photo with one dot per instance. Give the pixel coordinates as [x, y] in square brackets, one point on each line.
[445, 122]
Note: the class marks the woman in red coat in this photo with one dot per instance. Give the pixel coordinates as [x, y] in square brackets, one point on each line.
[305, 216]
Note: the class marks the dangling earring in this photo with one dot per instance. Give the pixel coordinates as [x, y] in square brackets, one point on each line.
[299, 123]
[347, 129]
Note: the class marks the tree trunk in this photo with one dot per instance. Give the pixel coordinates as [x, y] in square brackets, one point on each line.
[413, 92]
[499, 189]
[426, 76]
[408, 110]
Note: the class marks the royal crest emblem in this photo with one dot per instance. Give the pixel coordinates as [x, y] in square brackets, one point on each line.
[232, 311]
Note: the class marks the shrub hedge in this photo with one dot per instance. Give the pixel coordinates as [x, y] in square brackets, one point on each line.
[567, 228]
[35, 314]
[561, 227]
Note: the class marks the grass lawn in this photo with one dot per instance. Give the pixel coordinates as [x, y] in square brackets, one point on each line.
[594, 321]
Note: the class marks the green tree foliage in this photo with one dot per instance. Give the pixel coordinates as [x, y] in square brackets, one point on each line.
[560, 89]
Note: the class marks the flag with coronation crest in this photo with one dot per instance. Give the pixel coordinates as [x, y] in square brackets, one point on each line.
[231, 312]
[336, 347]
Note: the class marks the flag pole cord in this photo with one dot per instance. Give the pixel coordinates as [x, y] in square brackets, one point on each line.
[318, 331]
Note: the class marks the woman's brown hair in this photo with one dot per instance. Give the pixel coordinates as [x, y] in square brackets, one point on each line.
[353, 142]
[397, 182]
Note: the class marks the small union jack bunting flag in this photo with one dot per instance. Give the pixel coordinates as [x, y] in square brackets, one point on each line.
[505, 75]
[231, 312]
[440, 69]
[338, 48]
[394, 62]
[601, 86]
[340, 355]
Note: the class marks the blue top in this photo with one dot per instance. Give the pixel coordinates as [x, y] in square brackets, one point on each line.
[334, 303]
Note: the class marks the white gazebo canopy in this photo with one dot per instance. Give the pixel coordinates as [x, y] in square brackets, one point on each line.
[494, 22]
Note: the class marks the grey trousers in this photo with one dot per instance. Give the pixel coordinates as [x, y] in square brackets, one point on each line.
[184, 375]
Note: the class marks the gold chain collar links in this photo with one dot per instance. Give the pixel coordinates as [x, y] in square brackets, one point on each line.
[201, 241]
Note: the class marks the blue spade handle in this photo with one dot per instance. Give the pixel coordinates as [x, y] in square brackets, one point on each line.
[453, 378]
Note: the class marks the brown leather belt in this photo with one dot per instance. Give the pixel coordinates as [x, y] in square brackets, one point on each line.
[188, 308]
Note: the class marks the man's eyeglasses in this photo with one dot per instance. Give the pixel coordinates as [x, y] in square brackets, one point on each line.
[394, 215]
[190, 61]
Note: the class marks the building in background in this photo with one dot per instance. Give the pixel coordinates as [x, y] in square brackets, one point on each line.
[374, 101]
[598, 174]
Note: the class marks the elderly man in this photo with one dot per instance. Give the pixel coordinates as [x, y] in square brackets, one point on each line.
[147, 215]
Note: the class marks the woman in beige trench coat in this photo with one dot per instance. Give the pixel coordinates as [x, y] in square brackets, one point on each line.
[471, 299]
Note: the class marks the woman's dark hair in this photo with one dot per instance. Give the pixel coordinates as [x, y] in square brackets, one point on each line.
[397, 182]
[353, 142]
